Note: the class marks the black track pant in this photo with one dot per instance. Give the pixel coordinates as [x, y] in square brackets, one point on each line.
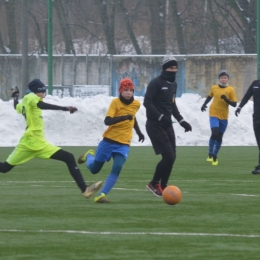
[63, 156]
[5, 167]
[69, 159]
[256, 125]
[163, 169]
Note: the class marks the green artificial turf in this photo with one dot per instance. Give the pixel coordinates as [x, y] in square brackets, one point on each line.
[44, 216]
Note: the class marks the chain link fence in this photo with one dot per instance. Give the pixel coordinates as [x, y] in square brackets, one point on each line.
[206, 36]
[131, 27]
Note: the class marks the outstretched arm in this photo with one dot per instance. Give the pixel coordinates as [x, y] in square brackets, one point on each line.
[15, 96]
[46, 106]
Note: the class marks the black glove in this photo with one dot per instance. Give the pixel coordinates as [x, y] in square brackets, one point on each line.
[237, 112]
[141, 137]
[186, 126]
[128, 117]
[72, 109]
[203, 108]
[166, 121]
[15, 92]
[223, 97]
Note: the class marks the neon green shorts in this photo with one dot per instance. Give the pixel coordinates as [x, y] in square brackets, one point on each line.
[29, 148]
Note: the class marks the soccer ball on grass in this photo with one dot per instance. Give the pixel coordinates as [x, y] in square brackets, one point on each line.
[172, 195]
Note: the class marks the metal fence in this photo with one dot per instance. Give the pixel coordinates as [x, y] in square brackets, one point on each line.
[86, 75]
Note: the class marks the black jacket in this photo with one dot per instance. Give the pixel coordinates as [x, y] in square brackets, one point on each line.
[253, 90]
[160, 99]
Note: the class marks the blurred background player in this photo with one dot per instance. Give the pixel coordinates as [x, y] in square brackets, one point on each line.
[33, 144]
[160, 104]
[223, 95]
[253, 91]
[117, 138]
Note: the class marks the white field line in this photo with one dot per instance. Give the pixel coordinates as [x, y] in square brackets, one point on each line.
[128, 233]
[124, 189]
[139, 181]
[245, 195]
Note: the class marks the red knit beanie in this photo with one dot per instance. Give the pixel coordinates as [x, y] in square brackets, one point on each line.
[126, 83]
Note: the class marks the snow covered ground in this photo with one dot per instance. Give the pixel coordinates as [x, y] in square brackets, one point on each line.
[85, 127]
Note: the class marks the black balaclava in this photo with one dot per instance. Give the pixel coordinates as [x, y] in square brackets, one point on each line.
[168, 62]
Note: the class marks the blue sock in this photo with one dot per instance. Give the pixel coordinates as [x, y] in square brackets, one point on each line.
[119, 160]
[90, 160]
[217, 147]
[212, 144]
[109, 184]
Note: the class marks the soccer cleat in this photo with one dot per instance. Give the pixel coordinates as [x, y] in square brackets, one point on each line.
[83, 157]
[256, 170]
[155, 189]
[215, 163]
[92, 189]
[101, 198]
[214, 160]
[210, 159]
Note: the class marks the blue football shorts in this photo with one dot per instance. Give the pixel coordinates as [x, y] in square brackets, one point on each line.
[106, 150]
[221, 124]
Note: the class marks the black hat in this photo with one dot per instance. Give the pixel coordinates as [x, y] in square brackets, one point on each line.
[169, 61]
[223, 73]
[36, 86]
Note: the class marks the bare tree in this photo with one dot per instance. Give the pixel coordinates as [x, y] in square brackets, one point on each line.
[178, 26]
[62, 15]
[214, 26]
[191, 26]
[240, 16]
[38, 33]
[157, 26]
[108, 23]
[2, 46]
[129, 26]
[247, 15]
[136, 26]
[11, 25]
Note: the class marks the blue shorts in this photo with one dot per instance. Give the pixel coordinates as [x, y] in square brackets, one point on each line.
[221, 124]
[106, 150]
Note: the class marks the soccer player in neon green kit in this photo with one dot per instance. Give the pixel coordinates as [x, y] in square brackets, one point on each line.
[33, 143]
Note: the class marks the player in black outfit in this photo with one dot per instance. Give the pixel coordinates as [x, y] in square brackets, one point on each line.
[160, 105]
[253, 90]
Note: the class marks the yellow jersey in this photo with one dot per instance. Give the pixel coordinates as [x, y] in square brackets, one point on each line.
[219, 107]
[122, 131]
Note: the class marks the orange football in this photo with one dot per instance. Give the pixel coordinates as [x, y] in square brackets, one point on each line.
[172, 195]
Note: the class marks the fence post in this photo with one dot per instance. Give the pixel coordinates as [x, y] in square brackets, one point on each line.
[50, 70]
